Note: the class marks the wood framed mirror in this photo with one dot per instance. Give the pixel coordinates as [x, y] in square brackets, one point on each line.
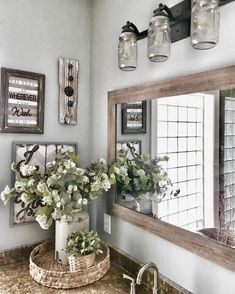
[191, 120]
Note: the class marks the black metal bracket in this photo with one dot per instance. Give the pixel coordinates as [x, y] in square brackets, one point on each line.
[180, 23]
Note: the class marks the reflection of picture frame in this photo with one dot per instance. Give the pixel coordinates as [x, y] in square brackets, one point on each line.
[136, 144]
[21, 102]
[32, 153]
[134, 116]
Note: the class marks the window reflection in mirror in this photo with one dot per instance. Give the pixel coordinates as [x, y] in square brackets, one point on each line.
[196, 133]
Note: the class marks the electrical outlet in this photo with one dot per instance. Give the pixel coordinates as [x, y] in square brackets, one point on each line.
[107, 223]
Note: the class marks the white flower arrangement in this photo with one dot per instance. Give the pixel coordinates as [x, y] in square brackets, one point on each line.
[6, 194]
[27, 170]
[141, 175]
[63, 188]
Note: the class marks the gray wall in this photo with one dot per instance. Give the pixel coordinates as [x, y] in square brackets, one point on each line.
[33, 35]
[189, 270]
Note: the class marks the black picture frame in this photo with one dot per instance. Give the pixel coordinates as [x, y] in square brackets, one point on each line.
[134, 117]
[22, 101]
[41, 159]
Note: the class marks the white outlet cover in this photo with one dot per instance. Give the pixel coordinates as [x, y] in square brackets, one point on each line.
[107, 223]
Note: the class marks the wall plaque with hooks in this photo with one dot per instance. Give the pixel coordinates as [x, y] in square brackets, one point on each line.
[68, 94]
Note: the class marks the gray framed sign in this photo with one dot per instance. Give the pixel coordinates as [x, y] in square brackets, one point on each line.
[37, 154]
[22, 101]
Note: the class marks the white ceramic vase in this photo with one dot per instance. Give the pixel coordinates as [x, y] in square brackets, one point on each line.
[147, 205]
[63, 229]
[155, 202]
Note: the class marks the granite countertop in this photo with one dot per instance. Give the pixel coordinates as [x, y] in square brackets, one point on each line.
[15, 279]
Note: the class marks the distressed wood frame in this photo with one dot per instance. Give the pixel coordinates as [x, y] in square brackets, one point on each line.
[220, 79]
[5, 75]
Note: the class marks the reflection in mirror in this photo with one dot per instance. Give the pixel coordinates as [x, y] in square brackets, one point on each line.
[189, 178]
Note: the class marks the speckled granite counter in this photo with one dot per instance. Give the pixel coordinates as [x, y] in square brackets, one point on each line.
[15, 279]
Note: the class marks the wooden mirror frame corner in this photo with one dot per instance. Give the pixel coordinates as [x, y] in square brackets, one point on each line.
[220, 79]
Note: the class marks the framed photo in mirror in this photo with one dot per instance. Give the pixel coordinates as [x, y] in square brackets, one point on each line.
[131, 146]
[134, 118]
[37, 154]
[22, 102]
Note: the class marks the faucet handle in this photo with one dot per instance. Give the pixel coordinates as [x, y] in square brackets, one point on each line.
[132, 291]
[128, 278]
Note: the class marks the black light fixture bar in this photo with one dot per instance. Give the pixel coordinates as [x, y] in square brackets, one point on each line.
[180, 24]
[142, 35]
[180, 28]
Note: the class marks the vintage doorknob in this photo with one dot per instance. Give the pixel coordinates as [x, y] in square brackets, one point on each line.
[68, 91]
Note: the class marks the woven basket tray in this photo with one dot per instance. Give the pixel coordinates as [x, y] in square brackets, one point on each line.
[46, 271]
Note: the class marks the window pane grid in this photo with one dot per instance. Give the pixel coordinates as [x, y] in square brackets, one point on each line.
[229, 163]
[180, 137]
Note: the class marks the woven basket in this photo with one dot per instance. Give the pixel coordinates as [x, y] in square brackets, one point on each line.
[78, 263]
[46, 271]
[225, 236]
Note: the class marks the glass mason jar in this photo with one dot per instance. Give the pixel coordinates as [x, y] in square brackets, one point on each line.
[127, 51]
[205, 19]
[159, 40]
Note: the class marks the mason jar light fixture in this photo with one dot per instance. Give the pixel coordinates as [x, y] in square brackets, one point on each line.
[198, 19]
[205, 20]
[127, 47]
[159, 39]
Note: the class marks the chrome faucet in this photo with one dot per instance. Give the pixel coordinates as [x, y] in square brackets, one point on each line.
[156, 273]
[132, 291]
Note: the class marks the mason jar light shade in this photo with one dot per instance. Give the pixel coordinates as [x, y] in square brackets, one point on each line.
[205, 23]
[127, 51]
[159, 40]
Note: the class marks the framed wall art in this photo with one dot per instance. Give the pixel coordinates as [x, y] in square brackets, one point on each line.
[21, 101]
[131, 146]
[38, 154]
[134, 117]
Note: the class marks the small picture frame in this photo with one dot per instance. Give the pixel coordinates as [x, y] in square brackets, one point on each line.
[131, 146]
[22, 101]
[37, 154]
[134, 116]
